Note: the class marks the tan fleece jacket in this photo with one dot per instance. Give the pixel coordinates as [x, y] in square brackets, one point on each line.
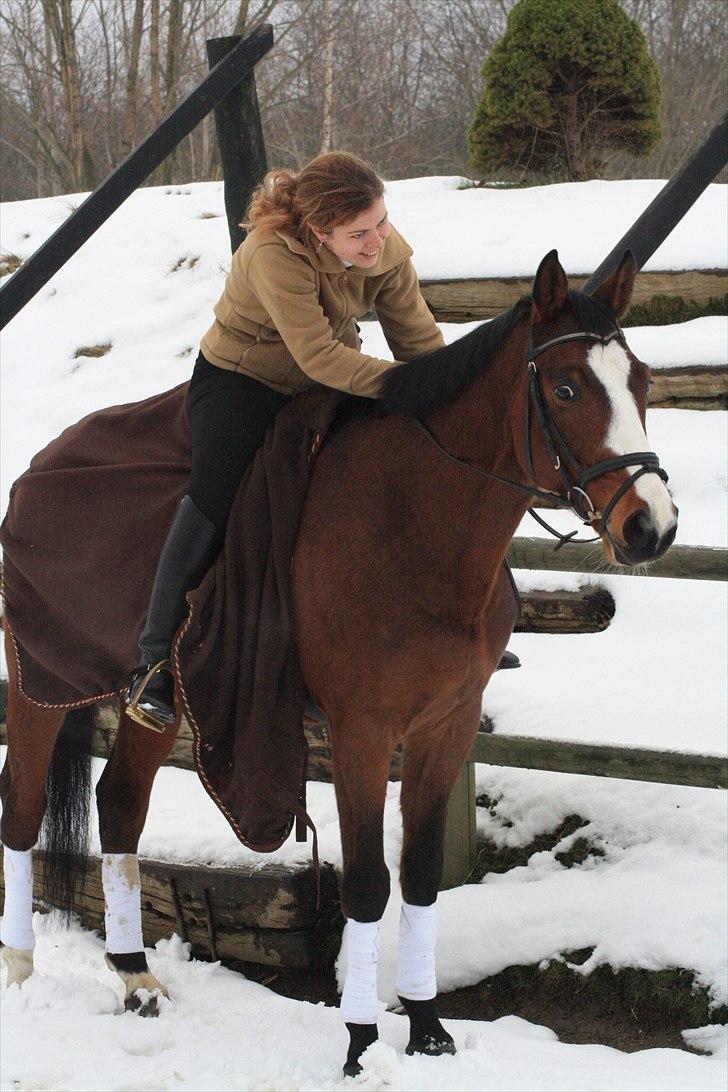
[287, 314]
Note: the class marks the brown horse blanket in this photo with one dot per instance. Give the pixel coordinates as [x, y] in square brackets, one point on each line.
[84, 530]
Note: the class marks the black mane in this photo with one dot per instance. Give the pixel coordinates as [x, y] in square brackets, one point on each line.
[437, 377]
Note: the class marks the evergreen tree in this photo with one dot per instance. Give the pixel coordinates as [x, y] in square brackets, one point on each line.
[569, 80]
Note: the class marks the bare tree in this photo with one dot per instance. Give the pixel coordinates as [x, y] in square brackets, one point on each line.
[132, 77]
[59, 17]
[328, 76]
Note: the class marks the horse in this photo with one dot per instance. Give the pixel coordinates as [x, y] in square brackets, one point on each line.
[403, 608]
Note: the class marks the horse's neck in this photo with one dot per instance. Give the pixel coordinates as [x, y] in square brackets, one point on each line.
[483, 425]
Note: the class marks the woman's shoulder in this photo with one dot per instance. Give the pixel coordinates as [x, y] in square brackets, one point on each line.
[262, 239]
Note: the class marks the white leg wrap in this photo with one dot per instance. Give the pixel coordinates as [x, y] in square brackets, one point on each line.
[17, 926]
[122, 894]
[415, 978]
[359, 1003]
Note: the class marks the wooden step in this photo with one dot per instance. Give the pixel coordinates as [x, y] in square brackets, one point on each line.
[469, 299]
[253, 914]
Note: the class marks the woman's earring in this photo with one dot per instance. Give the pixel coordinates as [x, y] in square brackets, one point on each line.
[320, 244]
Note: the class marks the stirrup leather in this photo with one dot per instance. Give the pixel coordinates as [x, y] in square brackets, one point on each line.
[134, 710]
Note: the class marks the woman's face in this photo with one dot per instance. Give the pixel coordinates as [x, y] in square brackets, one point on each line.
[361, 240]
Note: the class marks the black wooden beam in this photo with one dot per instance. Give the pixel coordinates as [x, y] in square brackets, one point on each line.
[240, 139]
[106, 198]
[668, 208]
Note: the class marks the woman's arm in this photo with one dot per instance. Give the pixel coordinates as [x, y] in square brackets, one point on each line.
[406, 319]
[287, 290]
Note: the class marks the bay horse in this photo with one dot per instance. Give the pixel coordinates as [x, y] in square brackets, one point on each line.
[403, 609]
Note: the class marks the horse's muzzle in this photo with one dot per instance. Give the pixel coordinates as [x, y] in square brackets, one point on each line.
[641, 540]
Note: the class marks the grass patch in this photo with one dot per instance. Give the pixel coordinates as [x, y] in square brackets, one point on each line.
[93, 350]
[493, 858]
[630, 1008]
[209, 216]
[9, 263]
[667, 310]
[531, 180]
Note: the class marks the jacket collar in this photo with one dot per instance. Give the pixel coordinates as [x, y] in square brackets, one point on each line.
[394, 251]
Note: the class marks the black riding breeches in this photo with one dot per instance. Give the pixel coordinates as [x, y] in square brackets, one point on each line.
[230, 414]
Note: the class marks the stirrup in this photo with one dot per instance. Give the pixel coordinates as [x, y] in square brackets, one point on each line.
[143, 716]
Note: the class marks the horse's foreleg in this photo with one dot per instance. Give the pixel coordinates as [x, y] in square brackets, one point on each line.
[32, 733]
[122, 797]
[432, 761]
[361, 768]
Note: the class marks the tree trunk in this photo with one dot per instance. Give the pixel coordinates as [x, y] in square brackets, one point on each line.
[132, 77]
[171, 70]
[154, 70]
[242, 19]
[328, 77]
[59, 18]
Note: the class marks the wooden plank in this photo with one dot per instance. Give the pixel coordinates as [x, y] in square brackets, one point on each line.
[586, 610]
[266, 915]
[460, 850]
[601, 760]
[703, 388]
[679, 563]
[470, 299]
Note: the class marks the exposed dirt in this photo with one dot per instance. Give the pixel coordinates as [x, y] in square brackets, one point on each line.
[588, 1012]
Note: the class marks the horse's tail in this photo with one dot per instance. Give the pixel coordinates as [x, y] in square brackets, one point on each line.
[65, 832]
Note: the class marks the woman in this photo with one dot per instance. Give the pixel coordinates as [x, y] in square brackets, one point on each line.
[320, 253]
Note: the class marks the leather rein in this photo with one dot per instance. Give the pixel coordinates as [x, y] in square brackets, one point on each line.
[574, 476]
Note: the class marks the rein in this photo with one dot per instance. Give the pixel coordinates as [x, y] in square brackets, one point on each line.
[574, 476]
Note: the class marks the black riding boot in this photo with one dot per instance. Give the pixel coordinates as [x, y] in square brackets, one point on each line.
[508, 660]
[185, 555]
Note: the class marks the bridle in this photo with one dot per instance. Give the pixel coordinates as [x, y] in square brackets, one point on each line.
[574, 475]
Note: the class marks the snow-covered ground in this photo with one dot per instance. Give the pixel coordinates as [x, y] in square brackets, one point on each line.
[655, 678]
[657, 898]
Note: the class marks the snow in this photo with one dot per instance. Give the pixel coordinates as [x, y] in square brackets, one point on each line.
[223, 1032]
[508, 230]
[146, 283]
[655, 899]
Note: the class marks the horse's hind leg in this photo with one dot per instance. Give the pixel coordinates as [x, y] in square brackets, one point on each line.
[122, 797]
[31, 732]
[361, 767]
[433, 759]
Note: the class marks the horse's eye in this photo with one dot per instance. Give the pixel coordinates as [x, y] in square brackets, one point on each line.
[564, 392]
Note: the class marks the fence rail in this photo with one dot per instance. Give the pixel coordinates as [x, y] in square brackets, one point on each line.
[679, 563]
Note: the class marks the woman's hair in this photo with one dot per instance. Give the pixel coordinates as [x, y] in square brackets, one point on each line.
[330, 190]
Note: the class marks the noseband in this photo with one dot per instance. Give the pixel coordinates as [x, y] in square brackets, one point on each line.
[574, 476]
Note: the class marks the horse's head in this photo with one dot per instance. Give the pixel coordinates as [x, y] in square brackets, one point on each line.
[587, 399]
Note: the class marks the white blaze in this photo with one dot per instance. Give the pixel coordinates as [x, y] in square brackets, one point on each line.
[625, 434]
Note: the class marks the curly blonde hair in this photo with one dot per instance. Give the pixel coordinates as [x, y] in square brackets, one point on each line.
[330, 190]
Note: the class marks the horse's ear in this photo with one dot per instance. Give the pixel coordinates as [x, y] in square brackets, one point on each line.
[616, 291]
[549, 287]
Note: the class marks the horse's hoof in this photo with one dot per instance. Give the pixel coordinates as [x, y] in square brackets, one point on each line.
[361, 1036]
[442, 1043]
[141, 989]
[18, 962]
[427, 1035]
[142, 1002]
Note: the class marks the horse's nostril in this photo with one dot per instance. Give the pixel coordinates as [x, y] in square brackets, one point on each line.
[639, 532]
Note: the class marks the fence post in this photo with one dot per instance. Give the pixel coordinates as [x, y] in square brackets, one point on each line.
[460, 850]
[240, 140]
